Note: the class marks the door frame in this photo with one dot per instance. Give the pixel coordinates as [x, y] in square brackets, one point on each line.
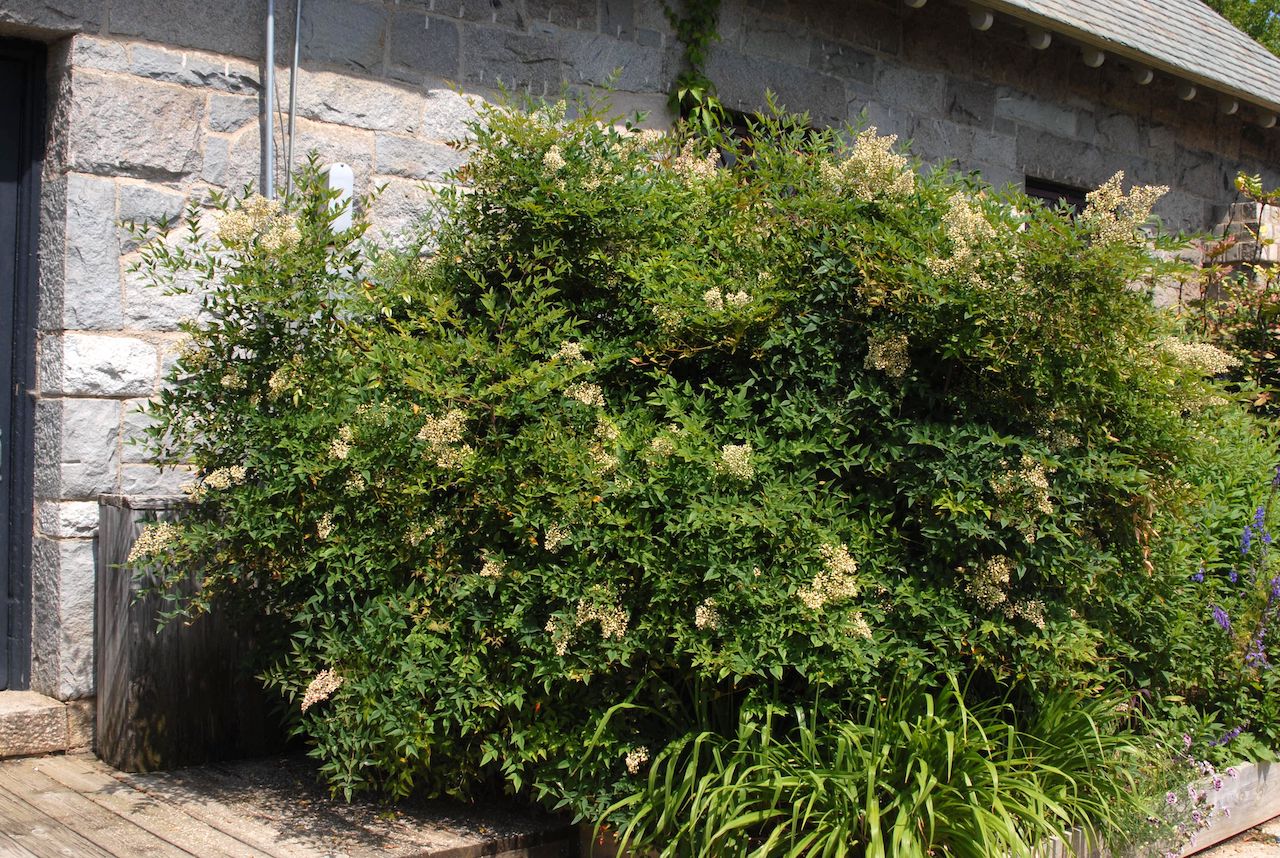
[20, 451]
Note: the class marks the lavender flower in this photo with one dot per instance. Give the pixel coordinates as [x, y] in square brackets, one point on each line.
[1246, 539]
[1186, 741]
[1170, 799]
[1217, 783]
[1233, 576]
[1220, 617]
[1275, 481]
[1228, 737]
[1260, 519]
[1199, 576]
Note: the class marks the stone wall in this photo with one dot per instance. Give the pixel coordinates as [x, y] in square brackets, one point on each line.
[155, 103]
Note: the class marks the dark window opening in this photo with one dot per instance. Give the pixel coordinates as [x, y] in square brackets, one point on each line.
[1055, 194]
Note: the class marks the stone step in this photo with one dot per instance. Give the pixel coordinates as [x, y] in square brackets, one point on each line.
[31, 724]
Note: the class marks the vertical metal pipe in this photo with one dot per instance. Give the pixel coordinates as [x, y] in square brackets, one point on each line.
[269, 108]
[293, 98]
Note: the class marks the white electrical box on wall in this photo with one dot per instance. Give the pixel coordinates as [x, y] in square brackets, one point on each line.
[342, 179]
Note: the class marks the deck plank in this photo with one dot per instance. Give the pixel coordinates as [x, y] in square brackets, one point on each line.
[42, 835]
[200, 793]
[146, 811]
[110, 831]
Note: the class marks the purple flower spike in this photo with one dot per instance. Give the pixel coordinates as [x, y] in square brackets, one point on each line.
[1170, 799]
[1246, 539]
[1260, 518]
[1220, 617]
[1217, 783]
[1198, 577]
[1186, 741]
[1275, 481]
[1275, 587]
[1233, 576]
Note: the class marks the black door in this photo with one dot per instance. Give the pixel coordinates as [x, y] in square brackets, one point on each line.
[21, 132]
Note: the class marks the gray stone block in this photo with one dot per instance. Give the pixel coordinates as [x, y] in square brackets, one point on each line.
[193, 69]
[970, 102]
[776, 38]
[742, 82]
[97, 53]
[413, 158]
[919, 91]
[571, 14]
[90, 430]
[63, 16]
[151, 308]
[617, 19]
[134, 439]
[53, 252]
[647, 38]
[334, 143]
[598, 60]
[232, 162]
[1060, 159]
[341, 99]
[30, 724]
[1035, 112]
[231, 27]
[505, 12]
[133, 127]
[91, 278]
[69, 518]
[423, 45]
[1203, 174]
[108, 366]
[77, 575]
[151, 481]
[344, 33]
[147, 205]
[844, 61]
[229, 113]
[515, 60]
[80, 724]
[446, 114]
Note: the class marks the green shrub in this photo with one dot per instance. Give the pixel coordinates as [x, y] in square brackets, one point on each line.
[621, 442]
[906, 773]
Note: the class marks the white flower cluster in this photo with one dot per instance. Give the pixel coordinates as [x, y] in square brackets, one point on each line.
[340, 448]
[1113, 216]
[324, 527]
[872, 170]
[587, 393]
[662, 445]
[443, 437]
[861, 628]
[635, 759]
[154, 539]
[321, 688]
[1031, 610]
[967, 229]
[554, 538]
[1207, 359]
[261, 218]
[608, 613]
[693, 166]
[231, 380]
[735, 461]
[570, 352]
[716, 299]
[553, 160]
[988, 585]
[418, 532]
[493, 567]
[1025, 488]
[889, 354]
[835, 582]
[285, 378]
[707, 615]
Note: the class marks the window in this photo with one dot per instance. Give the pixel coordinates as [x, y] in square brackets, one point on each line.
[1056, 193]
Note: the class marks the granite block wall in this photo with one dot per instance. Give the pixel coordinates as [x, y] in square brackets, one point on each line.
[154, 104]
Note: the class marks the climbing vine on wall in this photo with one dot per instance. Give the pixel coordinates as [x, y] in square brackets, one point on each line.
[693, 94]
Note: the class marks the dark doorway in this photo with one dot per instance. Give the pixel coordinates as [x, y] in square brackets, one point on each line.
[21, 139]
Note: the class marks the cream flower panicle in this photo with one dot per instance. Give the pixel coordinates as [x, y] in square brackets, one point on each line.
[872, 170]
[835, 582]
[155, 538]
[735, 461]
[321, 688]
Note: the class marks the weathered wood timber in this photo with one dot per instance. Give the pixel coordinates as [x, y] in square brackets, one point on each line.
[76, 806]
[170, 696]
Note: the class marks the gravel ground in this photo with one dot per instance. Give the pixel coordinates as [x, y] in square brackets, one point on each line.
[1260, 842]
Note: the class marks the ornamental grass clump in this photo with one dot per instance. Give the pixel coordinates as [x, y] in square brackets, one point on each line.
[622, 443]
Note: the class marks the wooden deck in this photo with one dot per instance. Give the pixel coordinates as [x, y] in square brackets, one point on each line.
[75, 805]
